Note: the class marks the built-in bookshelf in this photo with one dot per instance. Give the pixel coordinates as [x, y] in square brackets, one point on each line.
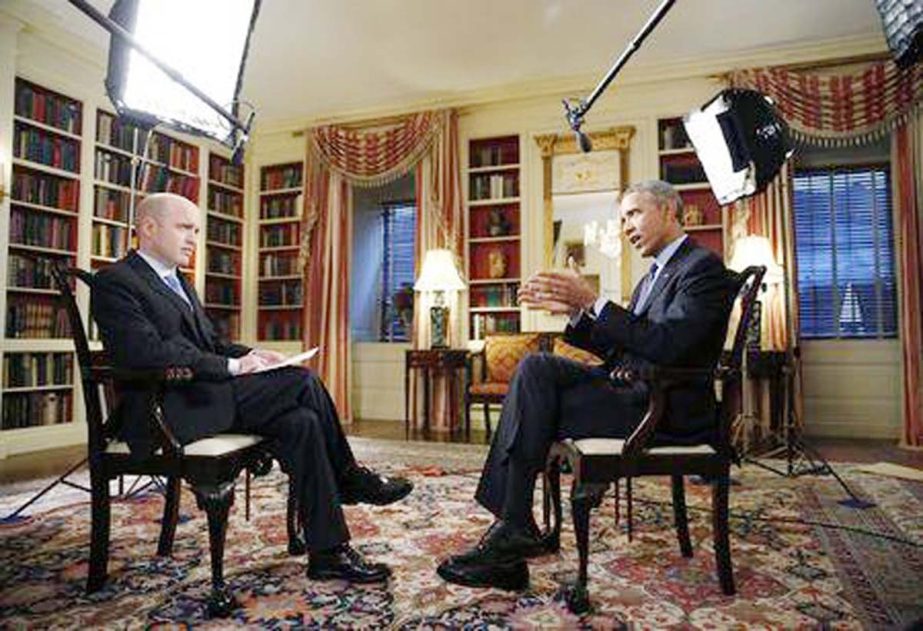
[703, 218]
[280, 291]
[494, 235]
[130, 163]
[224, 245]
[44, 209]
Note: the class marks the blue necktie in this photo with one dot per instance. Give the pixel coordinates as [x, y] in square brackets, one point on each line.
[645, 290]
[173, 283]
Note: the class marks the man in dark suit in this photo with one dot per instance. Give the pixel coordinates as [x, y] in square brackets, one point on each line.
[150, 317]
[678, 317]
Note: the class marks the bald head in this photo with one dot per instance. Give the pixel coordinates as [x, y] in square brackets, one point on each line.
[167, 226]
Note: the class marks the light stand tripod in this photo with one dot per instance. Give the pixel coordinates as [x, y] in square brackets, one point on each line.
[801, 458]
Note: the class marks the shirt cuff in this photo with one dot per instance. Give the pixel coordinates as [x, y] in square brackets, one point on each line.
[233, 366]
[599, 305]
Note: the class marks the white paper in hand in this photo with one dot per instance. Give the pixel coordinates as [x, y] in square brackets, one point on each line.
[294, 360]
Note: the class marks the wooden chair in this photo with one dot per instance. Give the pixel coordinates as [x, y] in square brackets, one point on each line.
[597, 462]
[211, 465]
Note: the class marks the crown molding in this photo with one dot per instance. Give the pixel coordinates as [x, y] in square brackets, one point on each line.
[686, 69]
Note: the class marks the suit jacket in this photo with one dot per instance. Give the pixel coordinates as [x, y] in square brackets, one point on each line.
[683, 324]
[144, 324]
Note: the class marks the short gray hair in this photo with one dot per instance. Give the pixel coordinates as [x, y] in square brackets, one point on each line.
[662, 192]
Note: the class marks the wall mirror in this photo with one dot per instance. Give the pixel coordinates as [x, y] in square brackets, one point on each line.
[580, 215]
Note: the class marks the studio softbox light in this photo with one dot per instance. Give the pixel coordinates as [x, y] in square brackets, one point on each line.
[902, 21]
[741, 141]
[204, 41]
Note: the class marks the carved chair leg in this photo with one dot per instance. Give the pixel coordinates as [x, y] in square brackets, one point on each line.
[721, 532]
[583, 498]
[170, 516]
[628, 505]
[618, 501]
[99, 533]
[487, 420]
[680, 517]
[551, 505]
[216, 501]
[296, 544]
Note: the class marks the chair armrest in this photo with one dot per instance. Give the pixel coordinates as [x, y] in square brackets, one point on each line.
[156, 379]
[661, 379]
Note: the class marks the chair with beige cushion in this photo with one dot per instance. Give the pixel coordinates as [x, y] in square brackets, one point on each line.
[497, 364]
[210, 466]
[598, 462]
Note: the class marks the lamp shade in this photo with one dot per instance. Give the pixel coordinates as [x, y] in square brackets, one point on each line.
[439, 273]
[756, 250]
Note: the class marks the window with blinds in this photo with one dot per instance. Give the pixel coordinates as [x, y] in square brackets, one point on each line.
[844, 248]
[397, 271]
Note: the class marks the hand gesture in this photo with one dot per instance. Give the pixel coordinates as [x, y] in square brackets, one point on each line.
[559, 292]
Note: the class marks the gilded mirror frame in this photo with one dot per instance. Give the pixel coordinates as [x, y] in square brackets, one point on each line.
[551, 145]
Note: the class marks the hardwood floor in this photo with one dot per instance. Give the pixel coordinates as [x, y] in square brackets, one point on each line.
[54, 462]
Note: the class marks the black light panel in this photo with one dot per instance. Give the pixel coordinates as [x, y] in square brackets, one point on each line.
[903, 24]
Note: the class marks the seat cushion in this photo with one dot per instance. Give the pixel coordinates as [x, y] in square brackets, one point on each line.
[489, 389]
[504, 352]
[564, 349]
[614, 446]
[212, 446]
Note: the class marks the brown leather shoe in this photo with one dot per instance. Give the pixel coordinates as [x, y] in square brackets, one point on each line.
[344, 562]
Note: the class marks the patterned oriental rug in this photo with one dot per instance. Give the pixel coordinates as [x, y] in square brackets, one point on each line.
[788, 575]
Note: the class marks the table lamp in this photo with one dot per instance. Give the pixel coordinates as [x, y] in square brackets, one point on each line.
[439, 275]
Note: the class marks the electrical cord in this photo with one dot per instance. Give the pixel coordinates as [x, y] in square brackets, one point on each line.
[799, 520]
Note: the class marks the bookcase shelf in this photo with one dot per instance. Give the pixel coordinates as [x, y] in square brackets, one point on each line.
[44, 221]
[703, 218]
[279, 282]
[494, 235]
[224, 245]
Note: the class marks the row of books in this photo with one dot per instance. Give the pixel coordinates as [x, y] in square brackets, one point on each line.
[47, 108]
[494, 155]
[283, 177]
[282, 327]
[280, 294]
[226, 323]
[43, 230]
[220, 170]
[484, 323]
[45, 189]
[31, 370]
[279, 265]
[109, 241]
[113, 168]
[221, 292]
[223, 231]
[275, 236]
[504, 295]
[494, 186]
[33, 409]
[223, 261]
[279, 207]
[176, 154]
[115, 132]
[225, 202]
[111, 204]
[156, 178]
[30, 271]
[36, 319]
[46, 148]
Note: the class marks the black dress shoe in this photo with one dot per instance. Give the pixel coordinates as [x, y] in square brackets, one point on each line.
[362, 485]
[503, 543]
[511, 575]
[343, 562]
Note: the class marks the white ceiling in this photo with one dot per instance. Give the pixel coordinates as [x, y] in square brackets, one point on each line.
[312, 59]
